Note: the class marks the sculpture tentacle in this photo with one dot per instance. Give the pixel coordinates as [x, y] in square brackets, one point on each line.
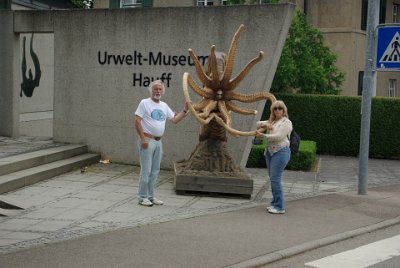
[232, 131]
[189, 102]
[224, 113]
[204, 92]
[231, 57]
[200, 105]
[199, 70]
[209, 107]
[234, 82]
[233, 107]
[214, 68]
[249, 98]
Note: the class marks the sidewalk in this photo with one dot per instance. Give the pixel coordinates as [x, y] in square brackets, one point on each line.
[92, 219]
[235, 238]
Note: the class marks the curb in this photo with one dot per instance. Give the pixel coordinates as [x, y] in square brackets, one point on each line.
[289, 252]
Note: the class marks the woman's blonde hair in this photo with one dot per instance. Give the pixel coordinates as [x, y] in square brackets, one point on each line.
[274, 105]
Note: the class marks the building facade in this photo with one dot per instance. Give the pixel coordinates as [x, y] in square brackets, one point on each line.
[343, 24]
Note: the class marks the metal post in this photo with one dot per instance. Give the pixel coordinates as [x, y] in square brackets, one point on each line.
[368, 88]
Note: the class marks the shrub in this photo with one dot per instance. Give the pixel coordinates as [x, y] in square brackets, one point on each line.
[304, 160]
[334, 123]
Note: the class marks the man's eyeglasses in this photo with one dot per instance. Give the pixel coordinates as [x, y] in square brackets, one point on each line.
[278, 108]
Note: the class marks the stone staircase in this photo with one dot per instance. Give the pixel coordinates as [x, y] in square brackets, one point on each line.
[25, 169]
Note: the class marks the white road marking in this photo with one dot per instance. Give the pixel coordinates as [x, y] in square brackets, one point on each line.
[363, 256]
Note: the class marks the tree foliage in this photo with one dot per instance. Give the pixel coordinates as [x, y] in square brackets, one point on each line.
[242, 2]
[306, 64]
[236, 2]
[77, 3]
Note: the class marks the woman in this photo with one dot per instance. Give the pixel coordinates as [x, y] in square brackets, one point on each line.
[277, 155]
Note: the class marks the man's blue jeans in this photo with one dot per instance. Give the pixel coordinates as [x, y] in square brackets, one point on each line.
[150, 160]
[276, 164]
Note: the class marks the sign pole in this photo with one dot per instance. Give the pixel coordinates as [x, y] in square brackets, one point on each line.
[368, 88]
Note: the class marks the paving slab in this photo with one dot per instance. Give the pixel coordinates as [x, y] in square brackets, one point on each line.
[216, 240]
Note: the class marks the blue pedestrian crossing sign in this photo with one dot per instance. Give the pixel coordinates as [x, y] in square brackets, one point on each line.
[388, 47]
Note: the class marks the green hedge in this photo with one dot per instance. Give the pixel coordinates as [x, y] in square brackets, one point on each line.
[303, 160]
[334, 123]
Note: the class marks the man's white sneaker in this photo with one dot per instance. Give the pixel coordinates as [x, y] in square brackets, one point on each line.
[276, 211]
[156, 201]
[145, 202]
[269, 207]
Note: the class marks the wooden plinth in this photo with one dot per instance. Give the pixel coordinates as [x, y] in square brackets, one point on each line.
[194, 184]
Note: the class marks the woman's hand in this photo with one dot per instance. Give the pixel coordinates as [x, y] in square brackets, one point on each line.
[265, 125]
[259, 134]
[269, 126]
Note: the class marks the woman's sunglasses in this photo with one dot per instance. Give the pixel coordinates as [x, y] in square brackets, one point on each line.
[278, 108]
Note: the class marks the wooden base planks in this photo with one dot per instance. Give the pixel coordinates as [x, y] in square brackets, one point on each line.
[221, 185]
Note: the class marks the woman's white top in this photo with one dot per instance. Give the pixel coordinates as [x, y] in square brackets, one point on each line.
[278, 136]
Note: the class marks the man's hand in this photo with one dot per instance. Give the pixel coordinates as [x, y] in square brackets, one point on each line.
[139, 129]
[259, 133]
[186, 107]
[145, 144]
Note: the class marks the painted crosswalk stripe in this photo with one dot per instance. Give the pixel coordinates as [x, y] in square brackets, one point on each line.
[363, 256]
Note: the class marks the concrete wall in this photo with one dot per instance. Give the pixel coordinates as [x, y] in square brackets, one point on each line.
[94, 102]
[171, 3]
[9, 55]
[36, 112]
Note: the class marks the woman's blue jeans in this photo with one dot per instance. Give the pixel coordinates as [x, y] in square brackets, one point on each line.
[276, 164]
[150, 160]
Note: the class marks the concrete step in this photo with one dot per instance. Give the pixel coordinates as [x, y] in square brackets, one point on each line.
[9, 212]
[32, 159]
[7, 202]
[21, 178]
[10, 206]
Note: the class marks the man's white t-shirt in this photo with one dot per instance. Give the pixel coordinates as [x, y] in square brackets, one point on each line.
[154, 116]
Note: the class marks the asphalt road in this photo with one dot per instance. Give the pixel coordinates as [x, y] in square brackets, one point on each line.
[300, 260]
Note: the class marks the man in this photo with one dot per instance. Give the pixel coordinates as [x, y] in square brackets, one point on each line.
[150, 118]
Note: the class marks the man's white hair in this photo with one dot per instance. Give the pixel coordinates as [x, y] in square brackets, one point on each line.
[157, 82]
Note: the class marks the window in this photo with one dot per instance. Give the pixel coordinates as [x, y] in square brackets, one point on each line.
[211, 2]
[364, 13]
[360, 82]
[394, 13]
[205, 2]
[305, 6]
[131, 3]
[392, 87]
[382, 12]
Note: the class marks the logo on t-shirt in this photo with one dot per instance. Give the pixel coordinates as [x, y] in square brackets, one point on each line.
[158, 115]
